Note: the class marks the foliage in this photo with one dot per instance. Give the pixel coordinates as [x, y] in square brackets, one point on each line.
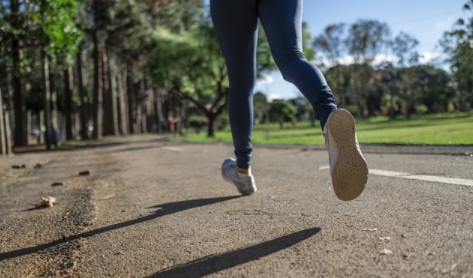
[366, 39]
[281, 110]
[58, 33]
[331, 43]
[458, 44]
[260, 106]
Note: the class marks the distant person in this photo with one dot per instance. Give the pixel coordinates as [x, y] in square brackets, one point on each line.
[170, 125]
[236, 25]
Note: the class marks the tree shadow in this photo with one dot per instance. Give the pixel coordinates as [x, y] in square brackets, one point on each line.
[163, 210]
[215, 263]
[131, 149]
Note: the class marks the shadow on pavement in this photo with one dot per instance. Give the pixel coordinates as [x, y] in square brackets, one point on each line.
[165, 209]
[88, 144]
[215, 263]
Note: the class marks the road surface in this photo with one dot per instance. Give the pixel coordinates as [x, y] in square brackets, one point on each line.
[151, 208]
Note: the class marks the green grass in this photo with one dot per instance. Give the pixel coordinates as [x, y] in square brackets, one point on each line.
[437, 129]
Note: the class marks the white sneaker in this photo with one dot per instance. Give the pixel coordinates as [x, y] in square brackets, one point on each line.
[347, 165]
[245, 185]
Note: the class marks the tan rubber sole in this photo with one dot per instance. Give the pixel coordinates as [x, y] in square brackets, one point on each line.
[350, 172]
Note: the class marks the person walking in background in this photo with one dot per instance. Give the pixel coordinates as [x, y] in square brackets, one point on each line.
[236, 25]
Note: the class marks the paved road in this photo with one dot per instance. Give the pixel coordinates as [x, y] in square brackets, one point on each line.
[157, 209]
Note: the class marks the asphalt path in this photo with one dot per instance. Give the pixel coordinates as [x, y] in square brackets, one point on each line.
[151, 208]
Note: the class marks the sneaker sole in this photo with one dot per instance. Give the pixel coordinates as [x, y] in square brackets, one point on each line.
[350, 172]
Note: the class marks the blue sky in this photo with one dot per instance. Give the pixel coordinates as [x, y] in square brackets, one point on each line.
[426, 20]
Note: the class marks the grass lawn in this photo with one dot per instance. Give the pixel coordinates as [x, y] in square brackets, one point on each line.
[437, 129]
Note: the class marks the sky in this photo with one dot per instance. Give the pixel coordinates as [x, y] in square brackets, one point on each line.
[426, 20]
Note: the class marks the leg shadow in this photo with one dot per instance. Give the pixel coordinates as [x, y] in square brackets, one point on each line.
[215, 263]
[164, 209]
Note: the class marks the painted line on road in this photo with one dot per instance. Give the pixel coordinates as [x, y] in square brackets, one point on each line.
[409, 176]
[173, 149]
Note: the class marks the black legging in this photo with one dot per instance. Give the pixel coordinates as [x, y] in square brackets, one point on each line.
[236, 25]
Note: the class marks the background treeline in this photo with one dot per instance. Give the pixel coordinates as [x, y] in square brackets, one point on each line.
[84, 69]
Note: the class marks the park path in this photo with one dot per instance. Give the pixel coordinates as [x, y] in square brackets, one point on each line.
[156, 209]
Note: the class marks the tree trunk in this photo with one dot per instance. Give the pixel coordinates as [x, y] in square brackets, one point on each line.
[98, 88]
[139, 93]
[55, 113]
[183, 117]
[68, 106]
[212, 118]
[361, 109]
[112, 96]
[123, 111]
[150, 127]
[131, 102]
[82, 94]
[158, 109]
[2, 127]
[28, 126]
[8, 146]
[17, 63]
[107, 123]
[47, 102]
[392, 115]
[52, 86]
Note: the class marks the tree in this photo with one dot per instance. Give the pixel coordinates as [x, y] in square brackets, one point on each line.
[281, 109]
[458, 44]
[340, 79]
[260, 106]
[191, 65]
[330, 43]
[365, 41]
[434, 88]
[14, 33]
[59, 39]
[404, 48]
[331, 46]
[36, 29]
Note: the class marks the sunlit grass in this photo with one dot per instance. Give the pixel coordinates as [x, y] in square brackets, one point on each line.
[438, 129]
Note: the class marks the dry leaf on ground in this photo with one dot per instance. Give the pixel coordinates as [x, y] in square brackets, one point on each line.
[385, 252]
[46, 202]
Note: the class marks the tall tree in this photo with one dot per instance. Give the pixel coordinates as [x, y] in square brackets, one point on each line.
[191, 65]
[330, 45]
[458, 44]
[59, 39]
[281, 109]
[16, 23]
[398, 79]
[365, 41]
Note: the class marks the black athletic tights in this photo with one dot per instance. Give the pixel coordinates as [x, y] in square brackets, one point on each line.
[236, 24]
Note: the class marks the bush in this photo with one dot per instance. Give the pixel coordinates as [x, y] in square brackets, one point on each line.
[223, 122]
[422, 109]
[197, 123]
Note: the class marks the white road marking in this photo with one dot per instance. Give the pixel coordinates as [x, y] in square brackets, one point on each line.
[173, 149]
[409, 176]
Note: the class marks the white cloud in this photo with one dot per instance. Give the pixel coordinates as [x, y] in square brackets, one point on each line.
[348, 59]
[383, 58]
[426, 56]
[265, 80]
[272, 97]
